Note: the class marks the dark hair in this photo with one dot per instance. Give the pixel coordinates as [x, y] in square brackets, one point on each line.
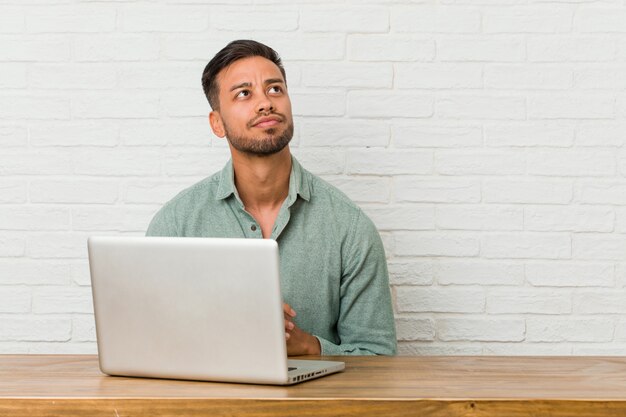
[232, 52]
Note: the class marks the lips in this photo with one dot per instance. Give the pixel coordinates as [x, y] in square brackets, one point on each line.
[267, 121]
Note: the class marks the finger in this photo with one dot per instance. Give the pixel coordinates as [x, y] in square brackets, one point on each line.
[288, 310]
[287, 336]
[289, 325]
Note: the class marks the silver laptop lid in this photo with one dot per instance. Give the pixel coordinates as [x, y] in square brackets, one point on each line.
[191, 308]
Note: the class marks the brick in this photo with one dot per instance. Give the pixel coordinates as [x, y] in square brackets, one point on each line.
[600, 20]
[537, 191]
[13, 135]
[415, 329]
[388, 104]
[436, 244]
[411, 272]
[481, 49]
[389, 162]
[74, 18]
[164, 18]
[528, 77]
[573, 163]
[437, 349]
[427, 136]
[526, 245]
[255, 20]
[47, 300]
[74, 191]
[150, 191]
[362, 189]
[452, 162]
[74, 133]
[608, 133]
[186, 47]
[117, 162]
[571, 107]
[436, 190]
[11, 245]
[601, 192]
[205, 162]
[389, 47]
[73, 76]
[307, 46]
[33, 107]
[122, 219]
[567, 48]
[487, 330]
[568, 330]
[435, 19]
[343, 132]
[34, 48]
[436, 75]
[321, 161]
[405, 217]
[479, 217]
[115, 105]
[599, 349]
[596, 78]
[620, 219]
[34, 218]
[183, 103]
[529, 134]
[116, 47]
[527, 20]
[569, 274]
[526, 349]
[34, 329]
[440, 300]
[29, 162]
[571, 218]
[83, 329]
[620, 331]
[598, 247]
[15, 299]
[12, 191]
[33, 272]
[56, 245]
[318, 104]
[12, 20]
[467, 272]
[190, 133]
[529, 301]
[12, 76]
[159, 76]
[343, 19]
[366, 75]
[600, 302]
[481, 107]
[79, 273]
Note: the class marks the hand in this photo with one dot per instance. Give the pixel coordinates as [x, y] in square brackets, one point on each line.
[299, 342]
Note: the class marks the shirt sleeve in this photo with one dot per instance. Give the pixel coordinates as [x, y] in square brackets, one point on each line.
[163, 224]
[366, 323]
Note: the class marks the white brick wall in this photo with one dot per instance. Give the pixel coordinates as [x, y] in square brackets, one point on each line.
[484, 138]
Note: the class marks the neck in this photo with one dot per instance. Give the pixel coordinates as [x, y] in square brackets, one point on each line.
[262, 181]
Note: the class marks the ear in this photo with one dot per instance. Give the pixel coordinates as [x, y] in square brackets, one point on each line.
[215, 120]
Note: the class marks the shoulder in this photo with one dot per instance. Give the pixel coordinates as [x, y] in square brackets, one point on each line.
[166, 221]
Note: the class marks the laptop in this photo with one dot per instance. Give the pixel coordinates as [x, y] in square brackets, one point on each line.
[206, 309]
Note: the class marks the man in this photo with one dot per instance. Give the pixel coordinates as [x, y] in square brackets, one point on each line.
[332, 263]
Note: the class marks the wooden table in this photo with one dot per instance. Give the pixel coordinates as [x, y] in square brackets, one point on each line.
[72, 385]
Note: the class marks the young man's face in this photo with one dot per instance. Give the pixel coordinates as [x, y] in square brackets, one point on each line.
[254, 107]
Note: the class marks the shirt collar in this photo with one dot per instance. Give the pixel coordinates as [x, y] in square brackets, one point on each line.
[299, 184]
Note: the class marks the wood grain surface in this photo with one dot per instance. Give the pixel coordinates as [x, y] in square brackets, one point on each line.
[64, 385]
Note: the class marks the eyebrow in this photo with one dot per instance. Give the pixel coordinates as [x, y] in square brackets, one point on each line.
[247, 84]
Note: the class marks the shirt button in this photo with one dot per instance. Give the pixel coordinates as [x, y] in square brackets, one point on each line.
[253, 228]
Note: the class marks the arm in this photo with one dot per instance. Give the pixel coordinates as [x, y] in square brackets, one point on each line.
[366, 322]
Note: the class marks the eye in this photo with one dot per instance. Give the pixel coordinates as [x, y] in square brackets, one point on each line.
[243, 93]
[276, 89]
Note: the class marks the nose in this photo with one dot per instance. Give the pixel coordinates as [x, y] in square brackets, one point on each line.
[265, 105]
